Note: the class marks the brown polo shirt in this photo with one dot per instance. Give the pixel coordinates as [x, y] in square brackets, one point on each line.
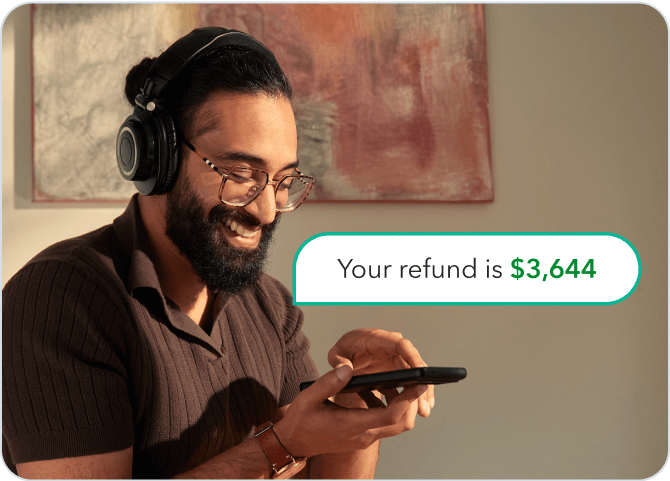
[96, 359]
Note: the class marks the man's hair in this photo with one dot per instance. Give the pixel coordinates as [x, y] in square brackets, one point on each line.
[232, 69]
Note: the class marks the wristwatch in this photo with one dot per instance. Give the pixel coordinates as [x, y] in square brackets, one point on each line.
[283, 464]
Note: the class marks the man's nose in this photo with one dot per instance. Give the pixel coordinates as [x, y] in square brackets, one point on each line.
[264, 207]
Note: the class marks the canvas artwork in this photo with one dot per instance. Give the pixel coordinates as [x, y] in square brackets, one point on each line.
[391, 101]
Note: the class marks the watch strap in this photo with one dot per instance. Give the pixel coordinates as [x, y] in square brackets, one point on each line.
[274, 450]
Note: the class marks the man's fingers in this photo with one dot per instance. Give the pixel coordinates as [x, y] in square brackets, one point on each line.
[336, 359]
[361, 346]
[400, 403]
[406, 420]
[394, 343]
[410, 354]
[424, 404]
[338, 356]
[400, 363]
[411, 393]
[371, 400]
[390, 394]
[394, 410]
[430, 396]
[327, 385]
[405, 423]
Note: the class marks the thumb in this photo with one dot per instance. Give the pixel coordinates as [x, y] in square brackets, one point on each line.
[328, 385]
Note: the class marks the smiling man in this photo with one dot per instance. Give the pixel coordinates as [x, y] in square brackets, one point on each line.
[223, 224]
[157, 347]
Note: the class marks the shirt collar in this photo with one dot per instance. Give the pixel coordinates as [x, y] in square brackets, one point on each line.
[142, 282]
[135, 240]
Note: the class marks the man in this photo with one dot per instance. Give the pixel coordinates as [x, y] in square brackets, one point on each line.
[156, 347]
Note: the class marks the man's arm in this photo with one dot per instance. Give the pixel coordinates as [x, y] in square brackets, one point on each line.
[311, 426]
[352, 465]
[341, 442]
[116, 465]
[244, 461]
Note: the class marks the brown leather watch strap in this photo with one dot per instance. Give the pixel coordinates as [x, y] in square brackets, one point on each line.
[284, 465]
[273, 448]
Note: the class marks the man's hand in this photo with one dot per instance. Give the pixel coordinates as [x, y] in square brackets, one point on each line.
[314, 425]
[374, 350]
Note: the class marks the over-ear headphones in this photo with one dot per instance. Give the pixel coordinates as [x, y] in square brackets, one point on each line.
[147, 150]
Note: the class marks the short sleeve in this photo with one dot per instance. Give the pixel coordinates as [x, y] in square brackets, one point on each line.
[64, 382]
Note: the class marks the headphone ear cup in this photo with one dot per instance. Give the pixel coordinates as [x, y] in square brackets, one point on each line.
[161, 153]
[168, 166]
[131, 155]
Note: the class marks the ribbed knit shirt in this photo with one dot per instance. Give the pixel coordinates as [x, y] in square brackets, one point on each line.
[96, 359]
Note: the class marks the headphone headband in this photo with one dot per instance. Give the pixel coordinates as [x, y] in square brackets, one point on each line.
[196, 44]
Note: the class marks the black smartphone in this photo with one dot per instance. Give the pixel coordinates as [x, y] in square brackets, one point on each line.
[400, 378]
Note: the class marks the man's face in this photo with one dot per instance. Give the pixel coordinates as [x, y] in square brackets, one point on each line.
[227, 246]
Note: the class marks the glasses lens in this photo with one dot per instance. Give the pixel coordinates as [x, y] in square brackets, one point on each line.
[292, 191]
[242, 186]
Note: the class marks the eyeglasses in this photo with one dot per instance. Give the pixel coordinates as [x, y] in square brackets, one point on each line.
[240, 186]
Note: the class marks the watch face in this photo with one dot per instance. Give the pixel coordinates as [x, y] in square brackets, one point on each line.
[290, 469]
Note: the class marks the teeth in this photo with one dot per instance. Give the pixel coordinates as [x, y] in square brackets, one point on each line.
[235, 227]
[243, 232]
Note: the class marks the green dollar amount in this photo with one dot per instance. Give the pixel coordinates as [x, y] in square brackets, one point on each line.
[556, 270]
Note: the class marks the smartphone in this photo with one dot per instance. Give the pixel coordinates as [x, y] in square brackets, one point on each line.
[400, 378]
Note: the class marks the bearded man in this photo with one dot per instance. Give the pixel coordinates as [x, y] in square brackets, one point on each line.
[156, 346]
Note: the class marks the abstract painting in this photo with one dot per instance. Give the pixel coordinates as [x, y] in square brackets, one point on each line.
[391, 101]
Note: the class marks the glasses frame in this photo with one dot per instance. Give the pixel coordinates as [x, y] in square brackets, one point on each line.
[275, 183]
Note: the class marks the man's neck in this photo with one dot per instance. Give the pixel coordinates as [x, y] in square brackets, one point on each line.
[178, 280]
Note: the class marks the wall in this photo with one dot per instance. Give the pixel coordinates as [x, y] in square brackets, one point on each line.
[578, 105]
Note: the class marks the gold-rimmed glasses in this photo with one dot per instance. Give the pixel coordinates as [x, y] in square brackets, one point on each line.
[240, 186]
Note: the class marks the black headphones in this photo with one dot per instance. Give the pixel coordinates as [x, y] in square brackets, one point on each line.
[146, 146]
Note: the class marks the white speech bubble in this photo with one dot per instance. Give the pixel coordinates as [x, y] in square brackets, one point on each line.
[464, 268]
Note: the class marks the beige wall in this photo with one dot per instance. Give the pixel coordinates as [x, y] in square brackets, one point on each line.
[578, 104]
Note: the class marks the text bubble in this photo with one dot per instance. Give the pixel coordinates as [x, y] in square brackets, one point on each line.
[465, 268]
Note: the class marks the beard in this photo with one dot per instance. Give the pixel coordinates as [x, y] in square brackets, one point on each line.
[197, 235]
